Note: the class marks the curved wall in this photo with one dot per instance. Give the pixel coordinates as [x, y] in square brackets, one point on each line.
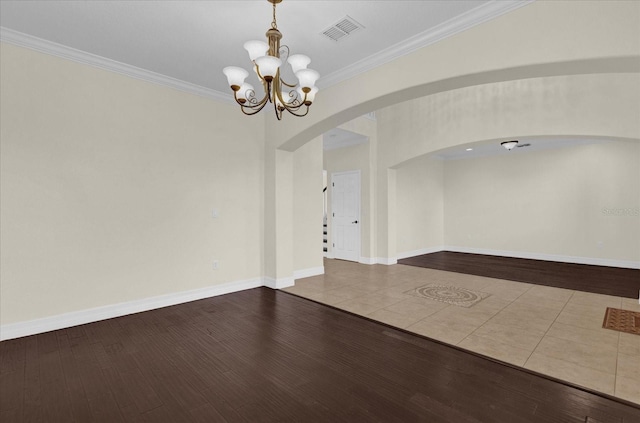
[598, 105]
[563, 68]
[538, 40]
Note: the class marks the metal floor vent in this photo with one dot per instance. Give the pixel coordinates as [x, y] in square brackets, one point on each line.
[342, 28]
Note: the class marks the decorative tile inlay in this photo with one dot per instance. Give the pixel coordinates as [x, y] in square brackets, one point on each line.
[622, 320]
[449, 294]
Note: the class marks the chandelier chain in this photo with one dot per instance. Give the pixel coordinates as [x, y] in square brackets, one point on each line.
[274, 25]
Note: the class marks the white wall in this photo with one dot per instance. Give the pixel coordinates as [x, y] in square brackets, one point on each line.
[548, 202]
[108, 187]
[307, 209]
[420, 206]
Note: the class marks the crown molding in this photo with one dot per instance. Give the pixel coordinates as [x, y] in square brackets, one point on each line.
[48, 47]
[454, 26]
[460, 23]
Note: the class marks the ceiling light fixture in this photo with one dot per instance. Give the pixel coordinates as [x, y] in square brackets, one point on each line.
[509, 144]
[267, 62]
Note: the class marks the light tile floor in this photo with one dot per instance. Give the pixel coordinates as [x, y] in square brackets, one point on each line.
[553, 331]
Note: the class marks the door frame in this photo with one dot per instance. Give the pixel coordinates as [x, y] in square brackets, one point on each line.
[331, 227]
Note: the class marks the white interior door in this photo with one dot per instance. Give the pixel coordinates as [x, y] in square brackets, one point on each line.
[345, 215]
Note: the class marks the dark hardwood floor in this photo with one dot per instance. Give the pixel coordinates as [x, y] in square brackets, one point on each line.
[268, 356]
[581, 277]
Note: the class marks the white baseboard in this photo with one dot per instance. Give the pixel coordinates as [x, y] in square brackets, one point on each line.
[387, 260]
[75, 318]
[419, 252]
[628, 264]
[61, 321]
[307, 273]
[367, 260]
[278, 283]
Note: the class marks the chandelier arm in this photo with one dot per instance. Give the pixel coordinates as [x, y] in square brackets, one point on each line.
[293, 103]
[266, 87]
[297, 115]
[277, 110]
[287, 105]
[252, 109]
[293, 106]
[284, 48]
[275, 89]
[288, 85]
[251, 106]
[258, 106]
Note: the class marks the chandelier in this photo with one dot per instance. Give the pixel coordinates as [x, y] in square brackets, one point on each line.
[294, 98]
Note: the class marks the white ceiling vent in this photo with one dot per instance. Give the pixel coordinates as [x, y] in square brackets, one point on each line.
[342, 28]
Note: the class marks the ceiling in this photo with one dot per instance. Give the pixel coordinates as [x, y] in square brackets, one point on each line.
[340, 138]
[525, 145]
[191, 41]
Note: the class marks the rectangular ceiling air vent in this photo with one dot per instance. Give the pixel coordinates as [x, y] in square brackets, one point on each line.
[342, 28]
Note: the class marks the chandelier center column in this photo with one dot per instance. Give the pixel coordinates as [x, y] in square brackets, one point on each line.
[274, 36]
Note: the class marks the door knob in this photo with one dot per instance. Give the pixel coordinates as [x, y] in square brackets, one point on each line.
[355, 221]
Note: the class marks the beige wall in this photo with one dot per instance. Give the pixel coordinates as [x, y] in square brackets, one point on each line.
[307, 206]
[420, 205]
[108, 188]
[572, 106]
[576, 105]
[548, 202]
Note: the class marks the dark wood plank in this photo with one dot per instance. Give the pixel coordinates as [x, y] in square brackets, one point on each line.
[33, 407]
[580, 277]
[79, 405]
[267, 356]
[13, 355]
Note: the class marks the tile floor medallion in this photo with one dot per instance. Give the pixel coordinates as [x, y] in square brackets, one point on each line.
[453, 295]
[622, 320]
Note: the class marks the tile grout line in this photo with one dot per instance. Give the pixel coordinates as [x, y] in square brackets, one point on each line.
[547, 331]
[498, 312]
[615, 375]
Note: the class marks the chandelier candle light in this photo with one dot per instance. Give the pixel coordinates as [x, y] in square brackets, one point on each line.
[267, 62]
